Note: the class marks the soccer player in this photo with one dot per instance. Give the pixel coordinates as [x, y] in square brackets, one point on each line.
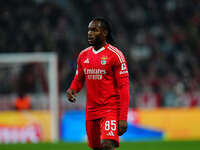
[104, 69]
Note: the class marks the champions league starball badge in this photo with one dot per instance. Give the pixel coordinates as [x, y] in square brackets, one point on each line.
[104, 60]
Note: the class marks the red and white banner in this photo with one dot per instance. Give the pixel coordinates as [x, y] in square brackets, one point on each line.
[23, 134]
[25, 126]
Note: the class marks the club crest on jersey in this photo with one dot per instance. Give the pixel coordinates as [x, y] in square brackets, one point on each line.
[104, 60]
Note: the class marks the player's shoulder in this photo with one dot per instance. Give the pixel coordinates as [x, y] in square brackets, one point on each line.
[84, 51]
[116, 52]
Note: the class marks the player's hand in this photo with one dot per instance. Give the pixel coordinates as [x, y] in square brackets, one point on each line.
[71, 95]
[122, 125]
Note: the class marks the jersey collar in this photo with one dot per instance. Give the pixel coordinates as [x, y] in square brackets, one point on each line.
[99, 50]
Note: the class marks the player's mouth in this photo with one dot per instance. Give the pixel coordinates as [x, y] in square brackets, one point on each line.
[90, 40]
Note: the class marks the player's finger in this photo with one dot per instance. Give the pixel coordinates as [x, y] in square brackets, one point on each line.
[68, 95]
[122, 130]
[119, 131]
[72, 99]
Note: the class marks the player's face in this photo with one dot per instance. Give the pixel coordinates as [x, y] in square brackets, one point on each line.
[95, 33]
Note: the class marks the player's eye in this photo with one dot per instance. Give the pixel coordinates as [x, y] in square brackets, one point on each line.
[94, 30]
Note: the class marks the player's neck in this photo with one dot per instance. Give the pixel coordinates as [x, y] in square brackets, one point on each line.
[97, 47]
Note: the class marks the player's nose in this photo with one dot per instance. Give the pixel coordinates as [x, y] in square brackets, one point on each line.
[89, 33]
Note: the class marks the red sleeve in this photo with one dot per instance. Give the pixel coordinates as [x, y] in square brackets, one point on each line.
[79, 78]
[122, 79]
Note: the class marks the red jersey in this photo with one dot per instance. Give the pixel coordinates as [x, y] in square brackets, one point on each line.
[107, 81]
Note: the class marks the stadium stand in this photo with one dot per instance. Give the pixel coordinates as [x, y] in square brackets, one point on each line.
[161, 40]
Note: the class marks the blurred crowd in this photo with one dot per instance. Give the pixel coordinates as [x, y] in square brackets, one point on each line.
[161, 40]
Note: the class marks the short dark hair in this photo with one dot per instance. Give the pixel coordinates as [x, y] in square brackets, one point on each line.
[106, 26]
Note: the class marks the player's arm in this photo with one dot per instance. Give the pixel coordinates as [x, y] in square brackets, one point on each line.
[77, 83]
[122, 79]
